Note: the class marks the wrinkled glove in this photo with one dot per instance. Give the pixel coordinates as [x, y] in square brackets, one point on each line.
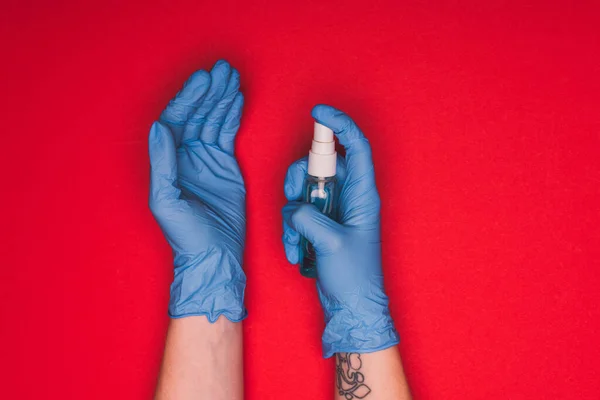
[197, 194]
[350, 281]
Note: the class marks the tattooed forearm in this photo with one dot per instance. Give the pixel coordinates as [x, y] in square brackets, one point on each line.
[350, 382]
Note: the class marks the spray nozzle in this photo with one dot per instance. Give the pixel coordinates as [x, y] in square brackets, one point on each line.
[323, 133]
[322, 156]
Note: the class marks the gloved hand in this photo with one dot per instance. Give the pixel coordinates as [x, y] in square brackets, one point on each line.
[197, 194]
[350, 281]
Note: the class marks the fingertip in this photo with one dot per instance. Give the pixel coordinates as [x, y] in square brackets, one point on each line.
[321, 110]
[288, 190]
[194, 88]
[235, 77]
[292, 253]
[290, 236]
[187, 99]
[198, 78]
[220, 62]
[294, 179]
[344, 127]
[327, 115]
[233, 85]
[291, 241]
[220, 74]
[238, 102]
[332, 118]
[221, 69]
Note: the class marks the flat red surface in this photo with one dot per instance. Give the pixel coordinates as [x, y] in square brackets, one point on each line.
[485, 123]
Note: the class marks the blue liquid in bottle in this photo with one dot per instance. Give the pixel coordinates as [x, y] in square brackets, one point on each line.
[322, 192]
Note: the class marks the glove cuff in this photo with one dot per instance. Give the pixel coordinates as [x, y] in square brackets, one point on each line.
[349, 333]
[213, 287]
[360, 323]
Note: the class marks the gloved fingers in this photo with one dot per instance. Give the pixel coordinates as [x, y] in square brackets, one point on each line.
[291, 244]
[163, 167]
[358, 150]
[207, 166]
[294, 179]
[187, 99]
[219, 79]
[340, 170]
[216, 117]
[321, 231]
[185, 102]
[231, 125]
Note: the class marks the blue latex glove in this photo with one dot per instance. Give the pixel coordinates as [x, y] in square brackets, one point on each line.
[197, 194]
[350, 281]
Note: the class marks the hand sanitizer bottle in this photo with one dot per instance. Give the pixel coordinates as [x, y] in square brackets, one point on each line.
[320, 189]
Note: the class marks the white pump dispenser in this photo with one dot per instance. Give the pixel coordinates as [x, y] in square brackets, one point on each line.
[320, 189]
[322, 155]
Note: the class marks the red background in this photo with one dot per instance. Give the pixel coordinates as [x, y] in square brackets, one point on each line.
[484, 120]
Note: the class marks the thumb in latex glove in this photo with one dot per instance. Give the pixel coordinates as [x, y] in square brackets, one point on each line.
[197, 194]
[348, 252]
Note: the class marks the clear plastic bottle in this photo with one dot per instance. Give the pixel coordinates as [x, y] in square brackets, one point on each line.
[320, 189]
[322, 192]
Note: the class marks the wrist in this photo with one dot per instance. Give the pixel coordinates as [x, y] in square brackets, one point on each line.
[349, 332]
[212, 286]
[359, 324]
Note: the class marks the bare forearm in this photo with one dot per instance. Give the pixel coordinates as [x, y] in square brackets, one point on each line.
[202, 360]
[371, 376]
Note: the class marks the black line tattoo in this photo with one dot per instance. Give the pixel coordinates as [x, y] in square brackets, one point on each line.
[350, 382]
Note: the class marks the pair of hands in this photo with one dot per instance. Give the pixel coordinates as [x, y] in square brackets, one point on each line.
[197, 195]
